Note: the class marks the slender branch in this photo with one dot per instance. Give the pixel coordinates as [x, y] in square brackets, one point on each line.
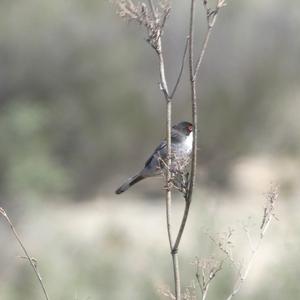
[30, 259]
[211, 16]
[206, 271]
[188, 197]
[152, 9]
[243, 276]
[204, 295]
[176, 275]
[200, 59]
[181, 68]
[164, 89]
[154, 23]
[193, 76]
[268, 216]
[182, 225]
[191, 40]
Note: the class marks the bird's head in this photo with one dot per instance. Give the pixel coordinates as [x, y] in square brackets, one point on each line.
[184, 127]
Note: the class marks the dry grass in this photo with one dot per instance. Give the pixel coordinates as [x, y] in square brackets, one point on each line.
[85, 241]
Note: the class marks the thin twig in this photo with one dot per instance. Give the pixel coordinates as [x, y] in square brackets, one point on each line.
[195, 129]
[164, 89]
[152, 9]
[193, 76]
[154, 23]
[166, 292]
[181, 68]
[249, 238]
[206, 271]
[268, 216]
[200, 59]
[31, 260]
[224, 244]
[211, 20]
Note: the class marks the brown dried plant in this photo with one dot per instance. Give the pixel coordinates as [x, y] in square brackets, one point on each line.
[206, 271]
[177, 176]
[271, 198]
[32, 261]
[225, 244]
[153, 18]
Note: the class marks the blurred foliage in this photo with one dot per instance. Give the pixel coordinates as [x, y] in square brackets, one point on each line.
[59, 104]
[80, 105]
[79, 101]
[26, 159]
[119, 250]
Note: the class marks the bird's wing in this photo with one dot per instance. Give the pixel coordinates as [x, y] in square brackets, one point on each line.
[161, 149]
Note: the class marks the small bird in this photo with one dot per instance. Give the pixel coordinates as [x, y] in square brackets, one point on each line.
[181, 149]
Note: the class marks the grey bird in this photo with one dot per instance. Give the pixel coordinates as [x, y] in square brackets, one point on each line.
[181, 149]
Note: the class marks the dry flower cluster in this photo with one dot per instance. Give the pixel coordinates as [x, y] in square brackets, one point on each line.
[207, 269]
[153, 18]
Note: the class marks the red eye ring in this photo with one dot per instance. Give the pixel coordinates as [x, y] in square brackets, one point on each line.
[190, 128]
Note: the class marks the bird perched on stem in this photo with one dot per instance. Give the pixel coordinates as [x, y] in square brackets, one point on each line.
[181, 149]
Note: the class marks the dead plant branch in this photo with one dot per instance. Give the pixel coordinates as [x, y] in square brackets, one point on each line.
[32, 261]
[268, 215]
[211, 16]
[206, 271]
[181, 68]
[152, 18]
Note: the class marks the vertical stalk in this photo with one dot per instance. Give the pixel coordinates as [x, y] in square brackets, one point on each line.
[194, 103]
[192, 78]
[193, 75]
[33, 263]
[164, 89]
[154, 23]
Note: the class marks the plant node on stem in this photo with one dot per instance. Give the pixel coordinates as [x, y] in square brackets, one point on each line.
[32, 261]
[153, 18]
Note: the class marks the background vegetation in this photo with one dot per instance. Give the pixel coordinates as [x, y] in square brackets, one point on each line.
[80, 110]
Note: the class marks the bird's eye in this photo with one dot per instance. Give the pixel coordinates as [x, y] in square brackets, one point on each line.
[190, 128]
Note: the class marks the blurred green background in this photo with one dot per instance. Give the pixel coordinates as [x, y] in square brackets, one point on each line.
[80, 110]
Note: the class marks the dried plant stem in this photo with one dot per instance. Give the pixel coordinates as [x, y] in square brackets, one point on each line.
[211, 16]
[243, 276]
[268, 216]
[153, 19]
[181, 69]
[195, 124]
[205, 43]
[164, 89]
[204, 294]
[193, 74]
[30, 259]
[206, 271]
[152, 9]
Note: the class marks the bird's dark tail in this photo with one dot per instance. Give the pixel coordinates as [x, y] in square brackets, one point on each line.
[130, 181]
